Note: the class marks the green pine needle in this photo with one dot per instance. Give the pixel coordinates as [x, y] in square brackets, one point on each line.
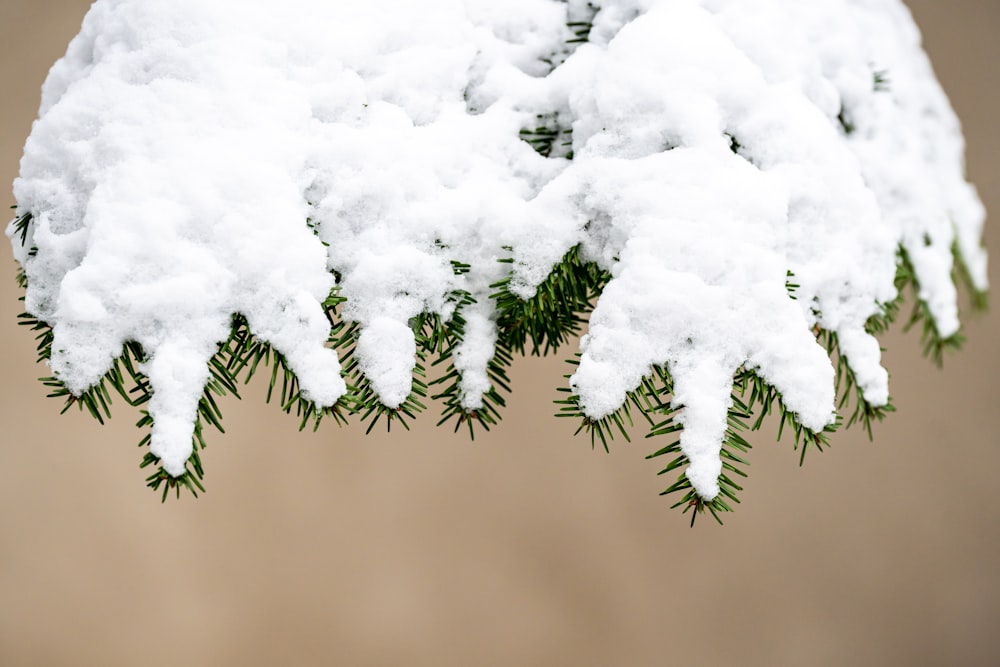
[933, 344]
[553, 316]
[734, 446]
[647, 399]
[851, 398]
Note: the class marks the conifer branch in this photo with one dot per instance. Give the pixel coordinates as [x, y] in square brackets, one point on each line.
[934, 345]
[648, 398]
[451, 395]
[539, 325]
[978, 298]
[734, 446]
[850, 395]
[552, 316]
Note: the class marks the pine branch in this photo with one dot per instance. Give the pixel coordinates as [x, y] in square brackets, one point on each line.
[243, 353]
[647, 399]
[556, 313]
[451, 395]
[553, 316]
[734, 446]
[934, 345]
[540, 324]
[850, 395]
[979, 299]
[751, 396]
[21, 226]
[765, 400]
[578, 26]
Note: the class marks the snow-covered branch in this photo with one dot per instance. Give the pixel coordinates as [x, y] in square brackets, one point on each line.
[738, 177]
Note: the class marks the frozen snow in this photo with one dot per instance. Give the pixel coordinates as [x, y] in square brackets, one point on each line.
[182, 146]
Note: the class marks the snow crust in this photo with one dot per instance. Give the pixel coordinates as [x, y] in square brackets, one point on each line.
[197, 159]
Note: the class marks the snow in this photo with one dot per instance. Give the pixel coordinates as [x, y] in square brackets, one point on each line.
[182, 146]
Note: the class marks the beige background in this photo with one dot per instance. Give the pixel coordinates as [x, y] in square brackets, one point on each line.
[523, 548]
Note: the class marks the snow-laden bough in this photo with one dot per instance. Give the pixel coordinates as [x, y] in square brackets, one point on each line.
[746, 173]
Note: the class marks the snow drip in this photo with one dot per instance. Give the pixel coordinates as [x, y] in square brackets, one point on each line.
[195, 159]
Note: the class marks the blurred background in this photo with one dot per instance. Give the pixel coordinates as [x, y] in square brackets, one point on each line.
[524, 547]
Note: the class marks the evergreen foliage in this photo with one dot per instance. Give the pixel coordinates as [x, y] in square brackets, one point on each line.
[541, 325]
[538, 326]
